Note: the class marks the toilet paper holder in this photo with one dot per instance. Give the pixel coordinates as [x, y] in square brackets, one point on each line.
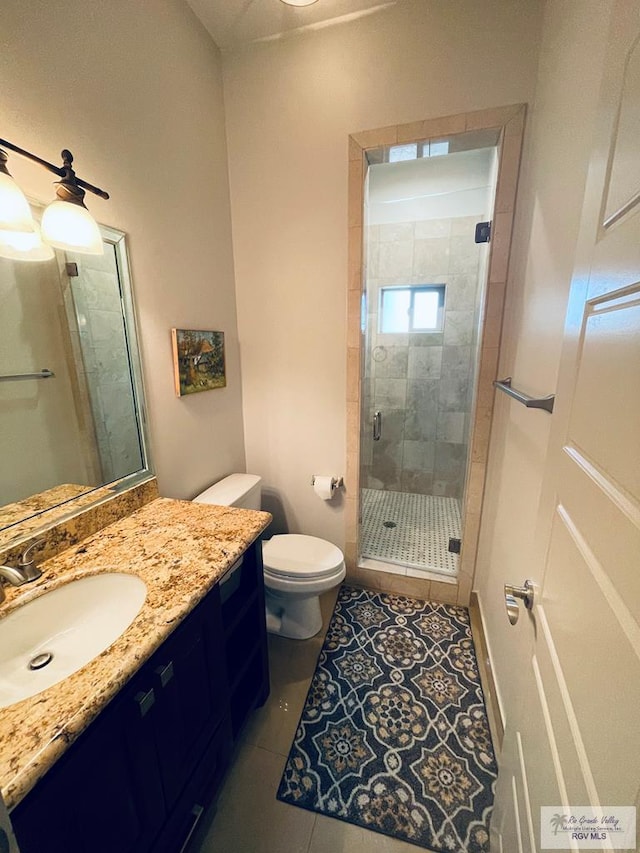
[336, 482]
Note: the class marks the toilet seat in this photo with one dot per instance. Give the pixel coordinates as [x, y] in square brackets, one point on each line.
[301, 558]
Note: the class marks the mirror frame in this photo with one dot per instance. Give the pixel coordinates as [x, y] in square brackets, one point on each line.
[12, 534]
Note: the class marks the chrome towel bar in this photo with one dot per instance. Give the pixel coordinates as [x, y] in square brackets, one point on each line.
[45, 373]
[545, 403]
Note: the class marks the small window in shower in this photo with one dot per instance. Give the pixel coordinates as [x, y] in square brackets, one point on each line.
[415, 308]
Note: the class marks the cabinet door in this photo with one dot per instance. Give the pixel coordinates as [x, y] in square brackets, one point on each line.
[190, 683]
[104, 794]
[245, 632]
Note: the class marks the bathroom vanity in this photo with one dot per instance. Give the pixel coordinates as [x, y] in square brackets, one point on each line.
[127, 753]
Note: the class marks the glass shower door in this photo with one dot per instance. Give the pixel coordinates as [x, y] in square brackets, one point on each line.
[425, 276]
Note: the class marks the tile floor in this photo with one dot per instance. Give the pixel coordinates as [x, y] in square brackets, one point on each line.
[247, 817]
[420, 536]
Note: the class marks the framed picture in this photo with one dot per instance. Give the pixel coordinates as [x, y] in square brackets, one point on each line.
[198, 361]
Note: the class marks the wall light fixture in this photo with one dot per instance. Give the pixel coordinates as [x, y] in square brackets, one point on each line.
[66, 222]
[299, 2]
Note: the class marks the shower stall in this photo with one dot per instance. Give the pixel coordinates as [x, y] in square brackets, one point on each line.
[427, 213]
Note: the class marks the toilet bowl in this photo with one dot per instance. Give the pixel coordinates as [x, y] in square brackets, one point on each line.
[297, 568]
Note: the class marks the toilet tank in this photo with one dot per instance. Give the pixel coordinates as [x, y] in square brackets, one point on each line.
[240, 490]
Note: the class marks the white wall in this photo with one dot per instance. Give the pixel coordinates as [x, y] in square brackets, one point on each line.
[290, 107]
[549, 207]
[134, 90]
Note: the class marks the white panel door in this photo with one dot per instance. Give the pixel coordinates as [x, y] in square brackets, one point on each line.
[574, 737]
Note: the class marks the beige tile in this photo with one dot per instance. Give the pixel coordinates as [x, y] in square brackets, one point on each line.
[515, 127]
[411, 132]
[495, 295]
[492, 325]
[355, 193]
[467, 563]
[327, 604]
[508, 174]
[404, 585]
[354, 305]
[358, 577]
[471, 525]
[500, 245]
[431, 257]
[475, 487]
[488, 365]
[464, 590]
[292, 664]
[485, 394]
[352, 475]
[445, 592]
[331, 836]
[350, 487]
[355, 250]
[248, 818]
[376, 138]
[496, 117]
[273, 726]
[481, 433]
[351, 519]
[355, 151]
[492, 330]
[350, 556]
[353, 427]
[370, 579]
[443, 126]
[353, 374]
[395, 258]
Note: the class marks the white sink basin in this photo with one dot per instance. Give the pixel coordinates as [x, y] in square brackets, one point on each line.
[72, 624]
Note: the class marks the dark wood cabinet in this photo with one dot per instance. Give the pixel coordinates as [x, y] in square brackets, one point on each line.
[104, 794]
[245, 638]
[141, 775]
[188, 673]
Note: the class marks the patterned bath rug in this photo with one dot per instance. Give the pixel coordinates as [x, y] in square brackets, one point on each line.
[394, 735]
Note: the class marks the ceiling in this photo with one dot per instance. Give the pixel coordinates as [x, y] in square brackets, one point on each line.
[235, 22]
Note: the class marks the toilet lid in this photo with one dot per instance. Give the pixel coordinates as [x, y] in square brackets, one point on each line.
[295, 555]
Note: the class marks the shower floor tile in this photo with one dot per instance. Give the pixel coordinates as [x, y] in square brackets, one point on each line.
[418, 537]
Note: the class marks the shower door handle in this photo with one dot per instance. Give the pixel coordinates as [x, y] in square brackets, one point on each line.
[377, 426]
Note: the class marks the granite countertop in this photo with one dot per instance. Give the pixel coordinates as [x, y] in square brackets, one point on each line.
[35, 504]
[180, 549]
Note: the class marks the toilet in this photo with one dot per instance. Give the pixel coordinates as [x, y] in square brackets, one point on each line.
[297, 568]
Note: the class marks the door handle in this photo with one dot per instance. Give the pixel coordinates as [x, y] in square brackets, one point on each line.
[514, 594]
[145, 701]
[377, 426]
[165, 673]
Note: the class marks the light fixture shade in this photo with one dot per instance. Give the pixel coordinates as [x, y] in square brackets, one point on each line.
[70, 226]
[15, 214]
[299, 2]
[19, 246]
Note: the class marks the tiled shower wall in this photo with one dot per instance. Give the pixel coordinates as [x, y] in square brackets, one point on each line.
[421, 382]
[96, 296]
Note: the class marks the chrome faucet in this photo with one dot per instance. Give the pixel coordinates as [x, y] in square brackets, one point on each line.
[25, 572]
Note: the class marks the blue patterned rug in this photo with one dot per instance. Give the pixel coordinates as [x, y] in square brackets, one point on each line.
[394, 734]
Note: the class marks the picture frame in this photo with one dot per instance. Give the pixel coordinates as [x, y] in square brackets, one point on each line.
[198, 361]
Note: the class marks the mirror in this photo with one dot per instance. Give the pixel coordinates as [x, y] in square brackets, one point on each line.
[71, 397]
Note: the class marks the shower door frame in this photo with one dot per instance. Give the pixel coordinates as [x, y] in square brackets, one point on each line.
[509, 121]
